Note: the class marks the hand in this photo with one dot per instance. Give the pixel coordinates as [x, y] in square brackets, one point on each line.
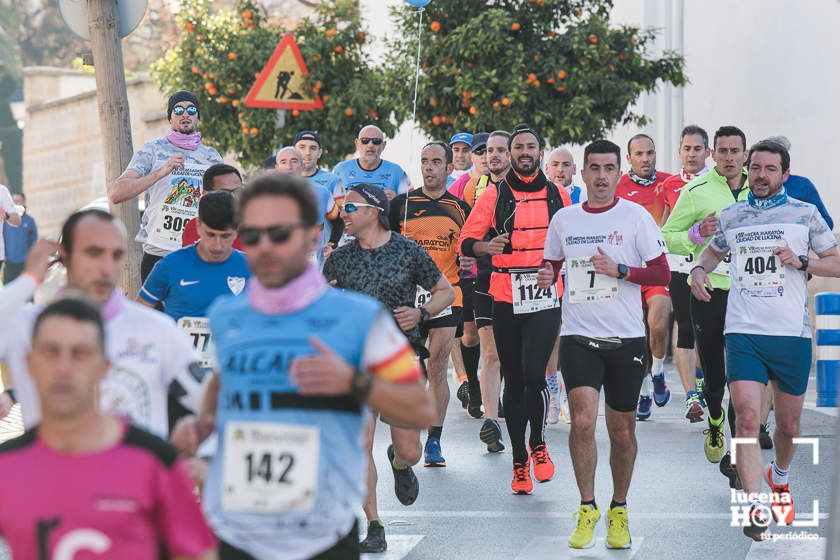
[6, 404]
[197, 468]
[466, 262]
[407, 317]
[604, 264]
[322, 373]
[545, 276]
[496, 246]
[787, 256]
[328, 249]
[2, 214]
[701, 286]
[175, 161]
[708, 226]
[38, 259]
[188, 434]
[389, 194]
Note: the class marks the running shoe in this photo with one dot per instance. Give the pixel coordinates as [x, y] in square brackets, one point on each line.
[713, 445]
[643, 410]
[553, 410]
[618, 528]
[491, 435]
[474, 402]
[463, 394]
[433, 453]
[375, 540]
[543, 465]
[757, 524]
[406, 485]
[565, 417]
[501, 409]
[693, 410]
[661, 392]
[585, 518]
[521, 483]
[781, 502]
[698, 384]
[764, 439]
[730, 471]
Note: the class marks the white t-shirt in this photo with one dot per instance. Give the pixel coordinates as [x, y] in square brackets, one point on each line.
[172, 201]
[627, 233]
[148, 353]
[8, 205]
[767, 297]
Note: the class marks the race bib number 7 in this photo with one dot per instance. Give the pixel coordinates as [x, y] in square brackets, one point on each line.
[528, 297]
[270, 468]
[586, 285]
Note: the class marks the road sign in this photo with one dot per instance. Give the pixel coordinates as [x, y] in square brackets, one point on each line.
[75, 14]
[281, 83]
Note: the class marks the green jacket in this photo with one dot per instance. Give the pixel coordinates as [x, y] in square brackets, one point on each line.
[699, 197]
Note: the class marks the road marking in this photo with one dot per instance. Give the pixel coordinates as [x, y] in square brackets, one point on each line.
[396, 515]
[549, 548]
[801, 549]
[398, 547]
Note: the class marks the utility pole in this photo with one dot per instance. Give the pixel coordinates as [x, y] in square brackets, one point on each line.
[114, 122]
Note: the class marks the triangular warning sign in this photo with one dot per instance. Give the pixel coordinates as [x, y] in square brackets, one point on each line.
[280, 85]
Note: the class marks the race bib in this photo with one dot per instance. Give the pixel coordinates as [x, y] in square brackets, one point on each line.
[528, 297]
[270, 467]
[759, 268]
[586, 285]
[422, 297]
[198, 329]
[723, 266]
[680, 263]
[178, 207]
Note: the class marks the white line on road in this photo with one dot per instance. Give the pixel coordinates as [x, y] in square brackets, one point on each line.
[551, 514]
[551, 548]
[398, 547]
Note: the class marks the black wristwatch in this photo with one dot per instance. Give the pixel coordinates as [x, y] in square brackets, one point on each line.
[360, 386]
[805, 261]
[424, 315]
[11, 393]
[623, 271]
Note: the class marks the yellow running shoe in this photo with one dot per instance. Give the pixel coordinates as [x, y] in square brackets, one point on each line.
[584, 535]
[618, 530]
[714, 445]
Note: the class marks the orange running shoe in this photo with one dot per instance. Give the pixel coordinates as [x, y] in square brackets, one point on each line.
[543, 466]
[521, 483]
[781, 502]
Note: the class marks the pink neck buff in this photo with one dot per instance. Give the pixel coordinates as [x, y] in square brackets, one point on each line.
[686, 176]
[292, 297]
[184, 141]
[113, 306]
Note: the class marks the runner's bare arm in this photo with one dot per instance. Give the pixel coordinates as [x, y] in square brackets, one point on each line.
[443, 295]
[131, 183]
[827, 265]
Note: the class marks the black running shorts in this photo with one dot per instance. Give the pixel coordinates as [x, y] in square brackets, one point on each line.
[482, 302]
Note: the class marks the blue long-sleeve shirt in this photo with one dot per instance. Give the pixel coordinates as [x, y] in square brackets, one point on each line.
[19, 240]
[801, 188]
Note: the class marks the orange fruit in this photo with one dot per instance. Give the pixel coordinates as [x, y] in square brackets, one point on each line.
[247, 14]
[222, 100]
[232, 56]
[497, 106]
[532, 77]
[254, 130]
[316, 58]
[339, 49]
[235, 103]
[348, 112]
[433, 102]
[515, 26]
[561, 89]
[189, 27]
[195, 70]
[466, 94]
[436, 120]
[208, 85]
[550, 80]
[505, 101]
[443, 118]
[593, 39]
[562, 74]
[211, 75]
[324, 98]
[536, 83]
[331, 32]
[212, 91]
[434, 26]
[473, 110]
[257, 75]
[295, 113]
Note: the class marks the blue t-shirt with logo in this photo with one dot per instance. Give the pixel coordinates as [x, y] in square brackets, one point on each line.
[387, 175]
[329, 181]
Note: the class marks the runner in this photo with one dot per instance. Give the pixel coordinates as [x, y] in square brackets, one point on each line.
[611, 248]
[693, 152]
[461, 143]
[169, 171]
[308, 143]
[150, 356]
[526, 319]
[642, 184]
[219, 177]
[87, 483]
[801, 188]
[687, 231]
[433, 218]
[300, 363]
[478, 159]
[768, 329]
[560, 169]
[390, 268]
[370, 168]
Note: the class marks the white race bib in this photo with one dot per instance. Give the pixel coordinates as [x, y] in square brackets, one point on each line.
[723, 266]
[270, 467]
[680, 263]
[422, 297]
[585, 285]
[528, 297]
[178, 207]
[198, 329]
[759, 268]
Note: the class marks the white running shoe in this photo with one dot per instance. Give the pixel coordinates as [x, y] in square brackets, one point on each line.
[553, 410]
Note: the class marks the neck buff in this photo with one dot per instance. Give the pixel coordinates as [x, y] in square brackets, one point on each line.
[184, 141]
[535, 183]
[644, 181]
[778, 199]
[294, 296]
[110, 309]
[686, 176]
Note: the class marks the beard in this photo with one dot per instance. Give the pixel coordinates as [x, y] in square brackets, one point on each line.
[526, 169]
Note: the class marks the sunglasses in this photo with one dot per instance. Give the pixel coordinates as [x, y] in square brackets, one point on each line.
[179, 110]
[480, 151]
[350, 207]
[366, 141]
[277, 234]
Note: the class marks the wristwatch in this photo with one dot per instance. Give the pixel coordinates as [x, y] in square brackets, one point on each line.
[623, 271]
[424, 315]
[360, 386]
[805, 261]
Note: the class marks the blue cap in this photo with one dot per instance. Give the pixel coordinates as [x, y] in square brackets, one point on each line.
[464, 137]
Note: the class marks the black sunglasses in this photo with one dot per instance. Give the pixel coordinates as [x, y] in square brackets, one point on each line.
[366, 141]
[480, 151]
[277, 234]
[179, 110]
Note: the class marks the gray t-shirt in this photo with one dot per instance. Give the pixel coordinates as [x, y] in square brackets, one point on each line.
[172, 201]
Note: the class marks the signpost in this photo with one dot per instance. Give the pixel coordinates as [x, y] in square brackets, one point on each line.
[280, 85]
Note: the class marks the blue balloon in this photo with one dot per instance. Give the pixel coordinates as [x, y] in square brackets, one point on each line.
[418, 3]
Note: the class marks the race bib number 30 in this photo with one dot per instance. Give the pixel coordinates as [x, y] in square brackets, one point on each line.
[198, 329]
[270, 468]
[528, 297]
[758, 267]
[586, 285]
[422, 297]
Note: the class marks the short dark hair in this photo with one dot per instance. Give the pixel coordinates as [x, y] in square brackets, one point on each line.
[602, 146]
[216, 210]
[638, 136]
[525, 129]
[217, 170]
[446, 149]
[694, 129]
[76, 309]
[282, 184]
[730, 131]
[771, 147]
[21, 195]
[500, 134]
[68, 230]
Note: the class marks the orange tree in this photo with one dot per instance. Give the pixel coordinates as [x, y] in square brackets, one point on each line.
[219, 54]
[558, 65]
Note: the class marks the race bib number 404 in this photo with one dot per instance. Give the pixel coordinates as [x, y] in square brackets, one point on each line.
[758, 267]
[270, 468]
[586, 285]
[528, 297]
